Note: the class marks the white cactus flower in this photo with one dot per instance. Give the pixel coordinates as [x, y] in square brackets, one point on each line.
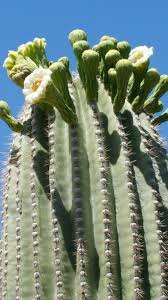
[35, 84]
[140, 55]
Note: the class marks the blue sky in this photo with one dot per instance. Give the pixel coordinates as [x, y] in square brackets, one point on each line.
[140, 22]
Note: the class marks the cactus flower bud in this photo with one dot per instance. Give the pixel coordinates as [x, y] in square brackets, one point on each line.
[150, 80]
[112, 74]
[160, 89]
[124, 48]
[19, 64]
[161, 119]
[103, 47]
[79, 47]
[107, 37]
[111, 58]
[59, 77]
[91, 62]
[5, 115]
[124, 70]
[65, 62]
[155, 107]
[77, 35]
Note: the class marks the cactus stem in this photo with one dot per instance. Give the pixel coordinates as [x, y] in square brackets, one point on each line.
[160, 168]
[106, 214]
[78, 215]
[18, 220]
[136, 227]
[4, 271]
[158, 209]
[79, 226]
[35, 227]
[82, 266]
[56, 232]
[159, 215]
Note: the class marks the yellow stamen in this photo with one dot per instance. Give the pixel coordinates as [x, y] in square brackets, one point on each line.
[35, 85]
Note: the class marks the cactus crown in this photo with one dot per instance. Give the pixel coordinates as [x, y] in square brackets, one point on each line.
[85, 198]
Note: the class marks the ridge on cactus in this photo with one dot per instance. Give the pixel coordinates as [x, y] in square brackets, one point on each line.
[85, 202]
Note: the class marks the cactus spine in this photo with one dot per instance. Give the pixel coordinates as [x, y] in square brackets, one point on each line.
[85, 198]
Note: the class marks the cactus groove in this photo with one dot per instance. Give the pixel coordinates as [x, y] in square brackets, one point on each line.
[85, 202]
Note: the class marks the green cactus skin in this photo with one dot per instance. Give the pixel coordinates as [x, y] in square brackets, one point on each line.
[85, 206]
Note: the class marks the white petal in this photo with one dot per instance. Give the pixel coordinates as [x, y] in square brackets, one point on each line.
[41, 74]
[26, 92]
[140, 54]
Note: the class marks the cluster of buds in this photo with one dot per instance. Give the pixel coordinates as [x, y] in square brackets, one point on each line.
[123, 71]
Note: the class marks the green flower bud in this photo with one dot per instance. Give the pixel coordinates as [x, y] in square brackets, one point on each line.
[161, 119]
[112, 78]
[4, 108]
[124, 70]
[160, 89]
[77, 35]
[155, 107]
[150, 80]
[95, 47]
[21, 70]
[90, 60]
[65, 62]
[111, 58]
[124, 48]
[59, 77]
[19, 64]
[35, 51]
[79, 47]
[5, 115]
[107, 37]
[103, 47]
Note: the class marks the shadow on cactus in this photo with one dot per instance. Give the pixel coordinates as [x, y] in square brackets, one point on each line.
[85, 206]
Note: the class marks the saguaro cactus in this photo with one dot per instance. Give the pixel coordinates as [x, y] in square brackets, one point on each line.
[85, 209]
